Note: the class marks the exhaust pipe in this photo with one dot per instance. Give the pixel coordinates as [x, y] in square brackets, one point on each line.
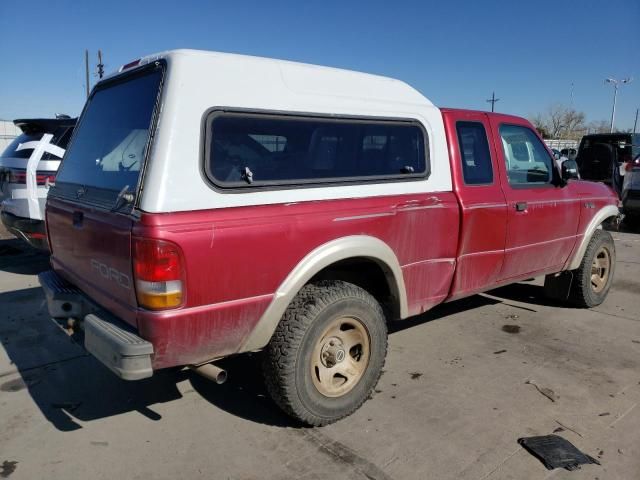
[211, 372]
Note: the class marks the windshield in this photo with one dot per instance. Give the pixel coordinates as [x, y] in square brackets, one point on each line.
[108, 149]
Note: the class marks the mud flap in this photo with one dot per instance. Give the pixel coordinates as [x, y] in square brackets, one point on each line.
[557, 286]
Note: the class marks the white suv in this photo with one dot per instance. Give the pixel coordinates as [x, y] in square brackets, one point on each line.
[28, 167]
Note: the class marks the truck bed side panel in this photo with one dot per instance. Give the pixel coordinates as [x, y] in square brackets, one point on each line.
[239, 257]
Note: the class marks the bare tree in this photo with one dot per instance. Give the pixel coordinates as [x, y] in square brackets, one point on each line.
[555, 120]
[574, 121]
[541, 126]
[560, 121]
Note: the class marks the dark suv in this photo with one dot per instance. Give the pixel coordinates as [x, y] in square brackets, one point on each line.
[603, 157]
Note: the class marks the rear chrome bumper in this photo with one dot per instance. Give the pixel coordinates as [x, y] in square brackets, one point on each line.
[111, 341]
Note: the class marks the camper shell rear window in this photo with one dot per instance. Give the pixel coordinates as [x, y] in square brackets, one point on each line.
[252, 150]
[108, 149]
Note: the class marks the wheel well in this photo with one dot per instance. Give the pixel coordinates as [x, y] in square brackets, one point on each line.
[369, 275]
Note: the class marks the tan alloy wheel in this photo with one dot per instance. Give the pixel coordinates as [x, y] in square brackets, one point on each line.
[340, 357]
[600, 269]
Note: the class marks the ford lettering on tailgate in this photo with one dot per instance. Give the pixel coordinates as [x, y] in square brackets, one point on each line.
[111, 273]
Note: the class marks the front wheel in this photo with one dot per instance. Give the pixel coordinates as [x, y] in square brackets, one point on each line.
[592, 280]
[327, 352]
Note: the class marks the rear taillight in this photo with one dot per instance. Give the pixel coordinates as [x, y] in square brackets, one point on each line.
[19, 176]
[129, 65]
[158, 268]
[45, 178]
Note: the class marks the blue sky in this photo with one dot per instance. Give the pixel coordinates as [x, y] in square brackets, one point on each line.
[455, 53]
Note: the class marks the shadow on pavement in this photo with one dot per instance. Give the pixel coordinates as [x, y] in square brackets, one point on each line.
[18, 257]
[70, 387]
[441, 311]
[526, 293]
[65, 382]
[244, 394]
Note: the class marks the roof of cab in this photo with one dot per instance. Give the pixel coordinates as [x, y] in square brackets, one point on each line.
[298, 77]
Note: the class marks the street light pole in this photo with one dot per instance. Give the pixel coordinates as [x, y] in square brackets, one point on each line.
[615, 84]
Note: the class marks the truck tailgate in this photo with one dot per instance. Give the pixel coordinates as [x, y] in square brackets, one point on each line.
[92, 249]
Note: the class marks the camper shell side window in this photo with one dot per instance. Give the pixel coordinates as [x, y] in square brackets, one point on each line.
[253, 150]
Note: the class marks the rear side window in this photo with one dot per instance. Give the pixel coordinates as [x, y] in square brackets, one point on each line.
[474, 153]
[60, 138]
[527, 160]
[245, 150]
[12, 149]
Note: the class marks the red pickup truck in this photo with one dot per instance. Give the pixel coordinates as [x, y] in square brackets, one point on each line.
[213, 204]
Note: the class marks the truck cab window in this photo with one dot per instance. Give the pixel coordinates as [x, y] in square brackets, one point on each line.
[526, 158]
[474, 153]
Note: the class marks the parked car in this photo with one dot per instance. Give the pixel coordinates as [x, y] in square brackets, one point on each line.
[214, 204]
[631, 190]
[28, 168]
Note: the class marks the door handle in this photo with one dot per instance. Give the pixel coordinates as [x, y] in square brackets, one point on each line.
[78, 217]
[521, 206]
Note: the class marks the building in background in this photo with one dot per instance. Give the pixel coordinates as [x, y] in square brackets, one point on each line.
[8, 131]
[559, 144]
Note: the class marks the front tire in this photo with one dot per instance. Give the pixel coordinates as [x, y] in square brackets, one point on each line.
[327, 353]
[592, 280]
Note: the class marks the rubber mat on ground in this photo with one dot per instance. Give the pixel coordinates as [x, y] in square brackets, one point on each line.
[556, 452]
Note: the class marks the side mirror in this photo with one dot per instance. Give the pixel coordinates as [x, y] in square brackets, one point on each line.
[569, 170]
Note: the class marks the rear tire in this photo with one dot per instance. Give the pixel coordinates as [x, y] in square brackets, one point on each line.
[592, 280]
[327, 353]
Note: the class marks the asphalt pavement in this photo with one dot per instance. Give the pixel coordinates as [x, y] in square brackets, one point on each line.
[461, 384]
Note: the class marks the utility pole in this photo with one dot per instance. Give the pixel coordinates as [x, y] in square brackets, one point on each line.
[86, 70]
[615, 84]
[493, 101]
[100, 65]
[635, 124]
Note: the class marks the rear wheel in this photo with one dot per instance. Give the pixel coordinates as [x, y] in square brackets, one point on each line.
[592, 280]
[327, 353]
